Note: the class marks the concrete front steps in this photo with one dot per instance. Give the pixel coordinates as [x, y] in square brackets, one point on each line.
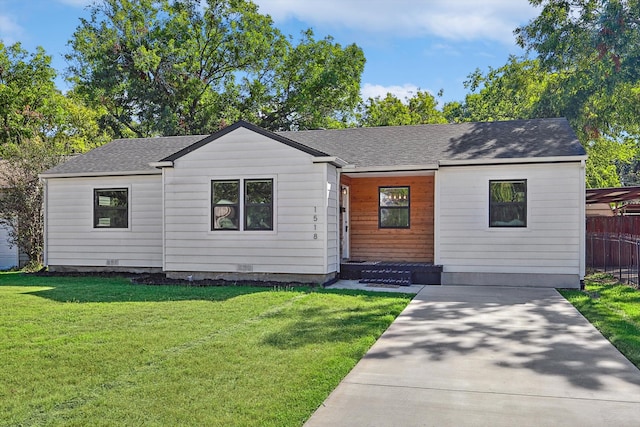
[392, 273]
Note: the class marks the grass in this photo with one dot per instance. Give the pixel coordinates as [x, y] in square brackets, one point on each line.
[101, 351]
[614, 309]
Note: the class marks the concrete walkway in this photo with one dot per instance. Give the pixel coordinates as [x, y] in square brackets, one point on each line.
[487, 356]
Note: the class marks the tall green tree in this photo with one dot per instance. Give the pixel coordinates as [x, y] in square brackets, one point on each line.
[592, 48]
[517, 90]
[185, 67]
[39, 127]
[26, 88]
[420, 108]
[158, 66]
[314, 84]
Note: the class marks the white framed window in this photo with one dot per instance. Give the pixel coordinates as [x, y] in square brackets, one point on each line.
[394, 207]
[225, 202]
[258, 204]
[110, 208]
[508, 203]
[254, 213]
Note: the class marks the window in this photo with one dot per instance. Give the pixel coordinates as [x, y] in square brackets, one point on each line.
[508, 203]
[394, 207]
[111, 208]
[256, 210]
[225, 196]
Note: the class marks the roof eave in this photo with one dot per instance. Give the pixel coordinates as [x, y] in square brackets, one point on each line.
[98, 174]
[512, 160]
[400, 168]
[335, 161]
[160, 165]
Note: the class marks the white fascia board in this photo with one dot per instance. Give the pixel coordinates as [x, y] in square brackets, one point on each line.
[168, 164]
[473, 162]
[336, 161]
[92, 174]
[402, 168]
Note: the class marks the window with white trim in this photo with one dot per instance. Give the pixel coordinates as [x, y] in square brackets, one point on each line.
[394, 207]
[508, 203]
[225, 200]
[255, 212]
[111, 208]
[258, 204]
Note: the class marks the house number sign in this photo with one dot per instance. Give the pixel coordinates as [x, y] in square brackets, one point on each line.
[315, 220]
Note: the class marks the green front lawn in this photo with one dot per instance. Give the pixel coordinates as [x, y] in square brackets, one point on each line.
[614, 309]
[96, 351]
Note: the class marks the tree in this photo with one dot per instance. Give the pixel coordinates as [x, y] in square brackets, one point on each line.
[523, 89]
[391, 111]
[593, 49]
[316, 84]
[517, 90]
[26, 83]
[178, 67]
[21, 202]
[40, 126]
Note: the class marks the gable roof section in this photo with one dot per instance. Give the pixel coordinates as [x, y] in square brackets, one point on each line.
[252, 127]
[431, 144]
[124, 156]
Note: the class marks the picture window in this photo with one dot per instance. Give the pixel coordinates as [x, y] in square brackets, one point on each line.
[111, 208]
[508, 203]
[394, 207]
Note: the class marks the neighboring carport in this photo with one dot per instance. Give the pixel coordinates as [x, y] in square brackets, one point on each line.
[487, 356]
[625, 200]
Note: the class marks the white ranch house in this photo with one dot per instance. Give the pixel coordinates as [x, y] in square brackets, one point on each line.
[499, 203]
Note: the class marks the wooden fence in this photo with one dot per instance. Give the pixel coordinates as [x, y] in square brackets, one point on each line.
[613, 246]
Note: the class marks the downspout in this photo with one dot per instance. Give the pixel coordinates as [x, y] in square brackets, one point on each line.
[338, 221]
[164, 216]
[583, 222]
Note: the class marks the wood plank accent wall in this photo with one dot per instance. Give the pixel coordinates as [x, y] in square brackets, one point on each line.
[370, 243]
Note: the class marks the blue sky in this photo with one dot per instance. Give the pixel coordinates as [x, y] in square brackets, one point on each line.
[408, 44]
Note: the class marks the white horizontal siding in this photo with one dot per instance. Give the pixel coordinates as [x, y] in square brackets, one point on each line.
[71, 239]
[551, 242]
[300, 193]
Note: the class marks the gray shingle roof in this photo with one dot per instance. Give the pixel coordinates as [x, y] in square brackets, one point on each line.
[428, 144]
[125, 155]
[364, 147]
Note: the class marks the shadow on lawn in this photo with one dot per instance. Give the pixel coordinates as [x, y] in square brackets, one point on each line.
[123, 291]
[316, 325]
[120, 289]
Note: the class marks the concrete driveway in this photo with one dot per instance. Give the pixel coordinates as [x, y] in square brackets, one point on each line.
[487, 356]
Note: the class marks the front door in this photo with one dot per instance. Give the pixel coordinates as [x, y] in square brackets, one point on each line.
[344, 221]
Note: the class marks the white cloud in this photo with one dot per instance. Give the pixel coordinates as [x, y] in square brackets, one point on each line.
[407, 90]
[438, 49]
[10, 30]
[76, 3]
[452, 20]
